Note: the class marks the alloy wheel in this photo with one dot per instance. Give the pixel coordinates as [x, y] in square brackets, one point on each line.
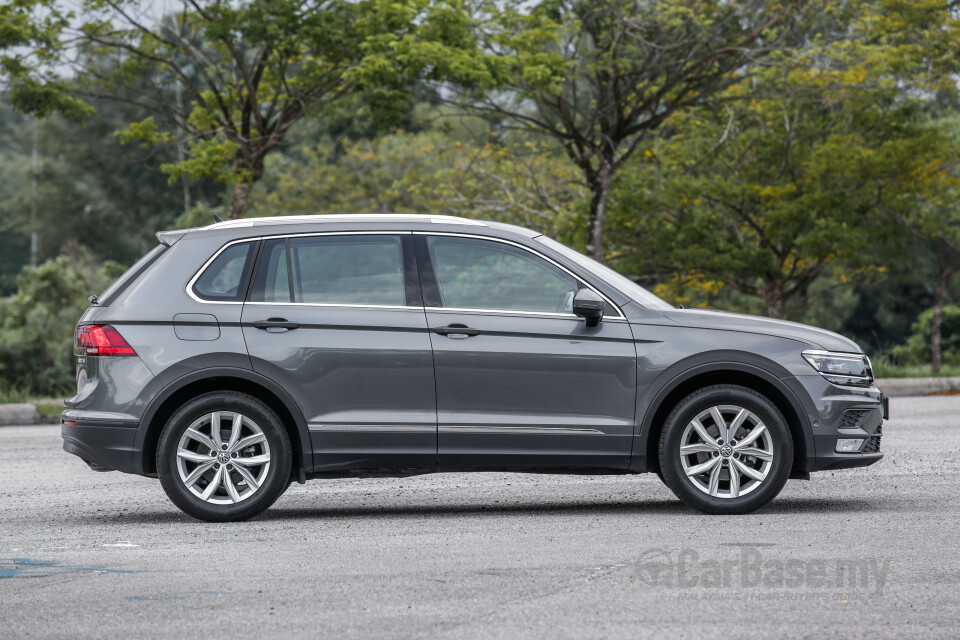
[726, 451]
[223, 457]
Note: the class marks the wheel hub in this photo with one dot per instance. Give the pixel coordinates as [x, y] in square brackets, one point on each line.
[726, 451]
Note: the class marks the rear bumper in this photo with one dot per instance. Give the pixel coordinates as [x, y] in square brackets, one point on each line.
[105, 445]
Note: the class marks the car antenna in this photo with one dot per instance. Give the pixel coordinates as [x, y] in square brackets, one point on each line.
[217, 218]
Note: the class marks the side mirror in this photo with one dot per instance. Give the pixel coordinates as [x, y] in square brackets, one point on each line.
[588, 305]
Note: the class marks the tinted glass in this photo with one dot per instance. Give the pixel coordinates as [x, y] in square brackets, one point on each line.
[483, 274]
[225, 279]
[360, 269]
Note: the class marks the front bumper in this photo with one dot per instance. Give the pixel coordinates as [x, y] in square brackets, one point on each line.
[105, 445]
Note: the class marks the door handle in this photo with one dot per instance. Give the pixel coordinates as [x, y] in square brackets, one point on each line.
[456, 329]
[275, 325]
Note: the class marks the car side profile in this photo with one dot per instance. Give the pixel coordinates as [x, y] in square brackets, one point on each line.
[234, 359]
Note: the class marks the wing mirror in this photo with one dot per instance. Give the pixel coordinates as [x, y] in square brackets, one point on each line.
[589, 305]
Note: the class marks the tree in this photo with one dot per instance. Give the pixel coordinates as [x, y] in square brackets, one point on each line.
[234, 77]
[771, 194]
[428, 172]
[598, 76]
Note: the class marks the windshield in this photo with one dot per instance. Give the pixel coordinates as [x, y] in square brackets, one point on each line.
[623, 284]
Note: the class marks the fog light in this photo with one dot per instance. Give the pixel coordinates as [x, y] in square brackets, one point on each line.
[849, 445]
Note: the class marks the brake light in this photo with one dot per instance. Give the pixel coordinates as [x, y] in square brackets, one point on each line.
[102, 340]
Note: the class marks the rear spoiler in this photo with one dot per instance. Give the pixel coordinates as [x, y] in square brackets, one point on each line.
[169, 238]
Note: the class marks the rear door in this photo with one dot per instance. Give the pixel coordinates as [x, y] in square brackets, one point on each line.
[337, 319]
[521, 381]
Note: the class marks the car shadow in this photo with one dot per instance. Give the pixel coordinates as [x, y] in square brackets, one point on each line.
[781, 506]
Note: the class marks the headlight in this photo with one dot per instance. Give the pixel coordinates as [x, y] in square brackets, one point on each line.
[848, 369]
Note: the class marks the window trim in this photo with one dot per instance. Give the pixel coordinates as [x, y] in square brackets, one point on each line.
[579, 279]
[420, 273]
[249, 268]
[400, 234]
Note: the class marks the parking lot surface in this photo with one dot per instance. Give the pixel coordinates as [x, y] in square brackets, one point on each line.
[872, 553]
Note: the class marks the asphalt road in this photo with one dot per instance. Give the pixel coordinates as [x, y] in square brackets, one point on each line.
[864, 553]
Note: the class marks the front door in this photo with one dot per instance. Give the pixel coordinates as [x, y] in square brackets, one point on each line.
[521, 381]
[337, 319]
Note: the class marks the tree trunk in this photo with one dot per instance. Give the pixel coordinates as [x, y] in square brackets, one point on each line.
[935, 328]
[599, 193]
[776, 304]
[238, 206]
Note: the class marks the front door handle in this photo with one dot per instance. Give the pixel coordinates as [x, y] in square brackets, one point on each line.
[275, 325]
[456, 329]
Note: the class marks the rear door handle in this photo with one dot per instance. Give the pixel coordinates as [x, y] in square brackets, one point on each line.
[456, 329]
[275, 325]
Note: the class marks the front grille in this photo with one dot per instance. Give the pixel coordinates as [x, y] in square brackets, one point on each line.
[853, 418]
[873, 442]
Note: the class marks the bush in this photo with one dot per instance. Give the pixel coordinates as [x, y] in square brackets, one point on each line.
[37, 323]
[916, 351]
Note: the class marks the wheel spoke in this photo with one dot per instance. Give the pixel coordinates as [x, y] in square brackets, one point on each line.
[192, 456]
[215, 429]
[702, 431]
[734, 481]
[715, 478]
[248, 477]
[700, 447]
[721, 424]
[231, 490]
[705, 466]
[755, 452]
[199, 471]
[252, 460]
[737, 422]
[201, 438]
[752, 436]
[235, 431]
[249, 440]
[214, 484]
[748, 471]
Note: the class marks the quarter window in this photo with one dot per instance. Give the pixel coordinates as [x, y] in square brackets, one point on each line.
[483, 274]
[225, 280]
[357, 269]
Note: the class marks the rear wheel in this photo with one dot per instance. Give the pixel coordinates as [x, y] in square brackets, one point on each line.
[224, 456]
[725, 449]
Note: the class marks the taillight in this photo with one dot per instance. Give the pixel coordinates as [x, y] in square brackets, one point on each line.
[102, 340]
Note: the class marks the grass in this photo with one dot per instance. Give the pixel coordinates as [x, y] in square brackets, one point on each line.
[883, 369]
[49, 407]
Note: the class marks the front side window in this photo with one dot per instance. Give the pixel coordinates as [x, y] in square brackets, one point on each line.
[225, 279]
[484, 274]
[348, 270]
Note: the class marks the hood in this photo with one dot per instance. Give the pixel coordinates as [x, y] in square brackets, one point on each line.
[725, 321]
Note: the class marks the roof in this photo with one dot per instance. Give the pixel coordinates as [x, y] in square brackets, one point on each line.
[351, 217]
[338, 222]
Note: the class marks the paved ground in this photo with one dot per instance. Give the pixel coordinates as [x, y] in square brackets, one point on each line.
[489, 555]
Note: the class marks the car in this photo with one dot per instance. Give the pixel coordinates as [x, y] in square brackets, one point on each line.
[237, 358]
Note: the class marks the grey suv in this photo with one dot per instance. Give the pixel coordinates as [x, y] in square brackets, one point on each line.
[236, 358]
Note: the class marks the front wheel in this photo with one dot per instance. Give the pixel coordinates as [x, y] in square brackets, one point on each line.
[726, 449]
[224, 456]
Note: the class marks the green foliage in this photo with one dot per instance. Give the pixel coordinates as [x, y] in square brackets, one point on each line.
[36, 324]
[916, 351]
[200, 215]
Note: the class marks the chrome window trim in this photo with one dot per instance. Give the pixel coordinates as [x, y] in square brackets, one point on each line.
[619, 315]
[196, 276]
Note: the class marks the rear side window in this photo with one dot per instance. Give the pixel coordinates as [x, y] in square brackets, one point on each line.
[352, 269]
[225, 279]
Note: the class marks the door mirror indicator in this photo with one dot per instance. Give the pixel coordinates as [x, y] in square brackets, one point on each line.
[589, 305]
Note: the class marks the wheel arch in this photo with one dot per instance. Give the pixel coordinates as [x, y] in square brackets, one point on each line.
[746, 375]
[223, 379]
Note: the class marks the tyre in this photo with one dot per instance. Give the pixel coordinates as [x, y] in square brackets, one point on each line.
[725, 449]
[224, 456]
